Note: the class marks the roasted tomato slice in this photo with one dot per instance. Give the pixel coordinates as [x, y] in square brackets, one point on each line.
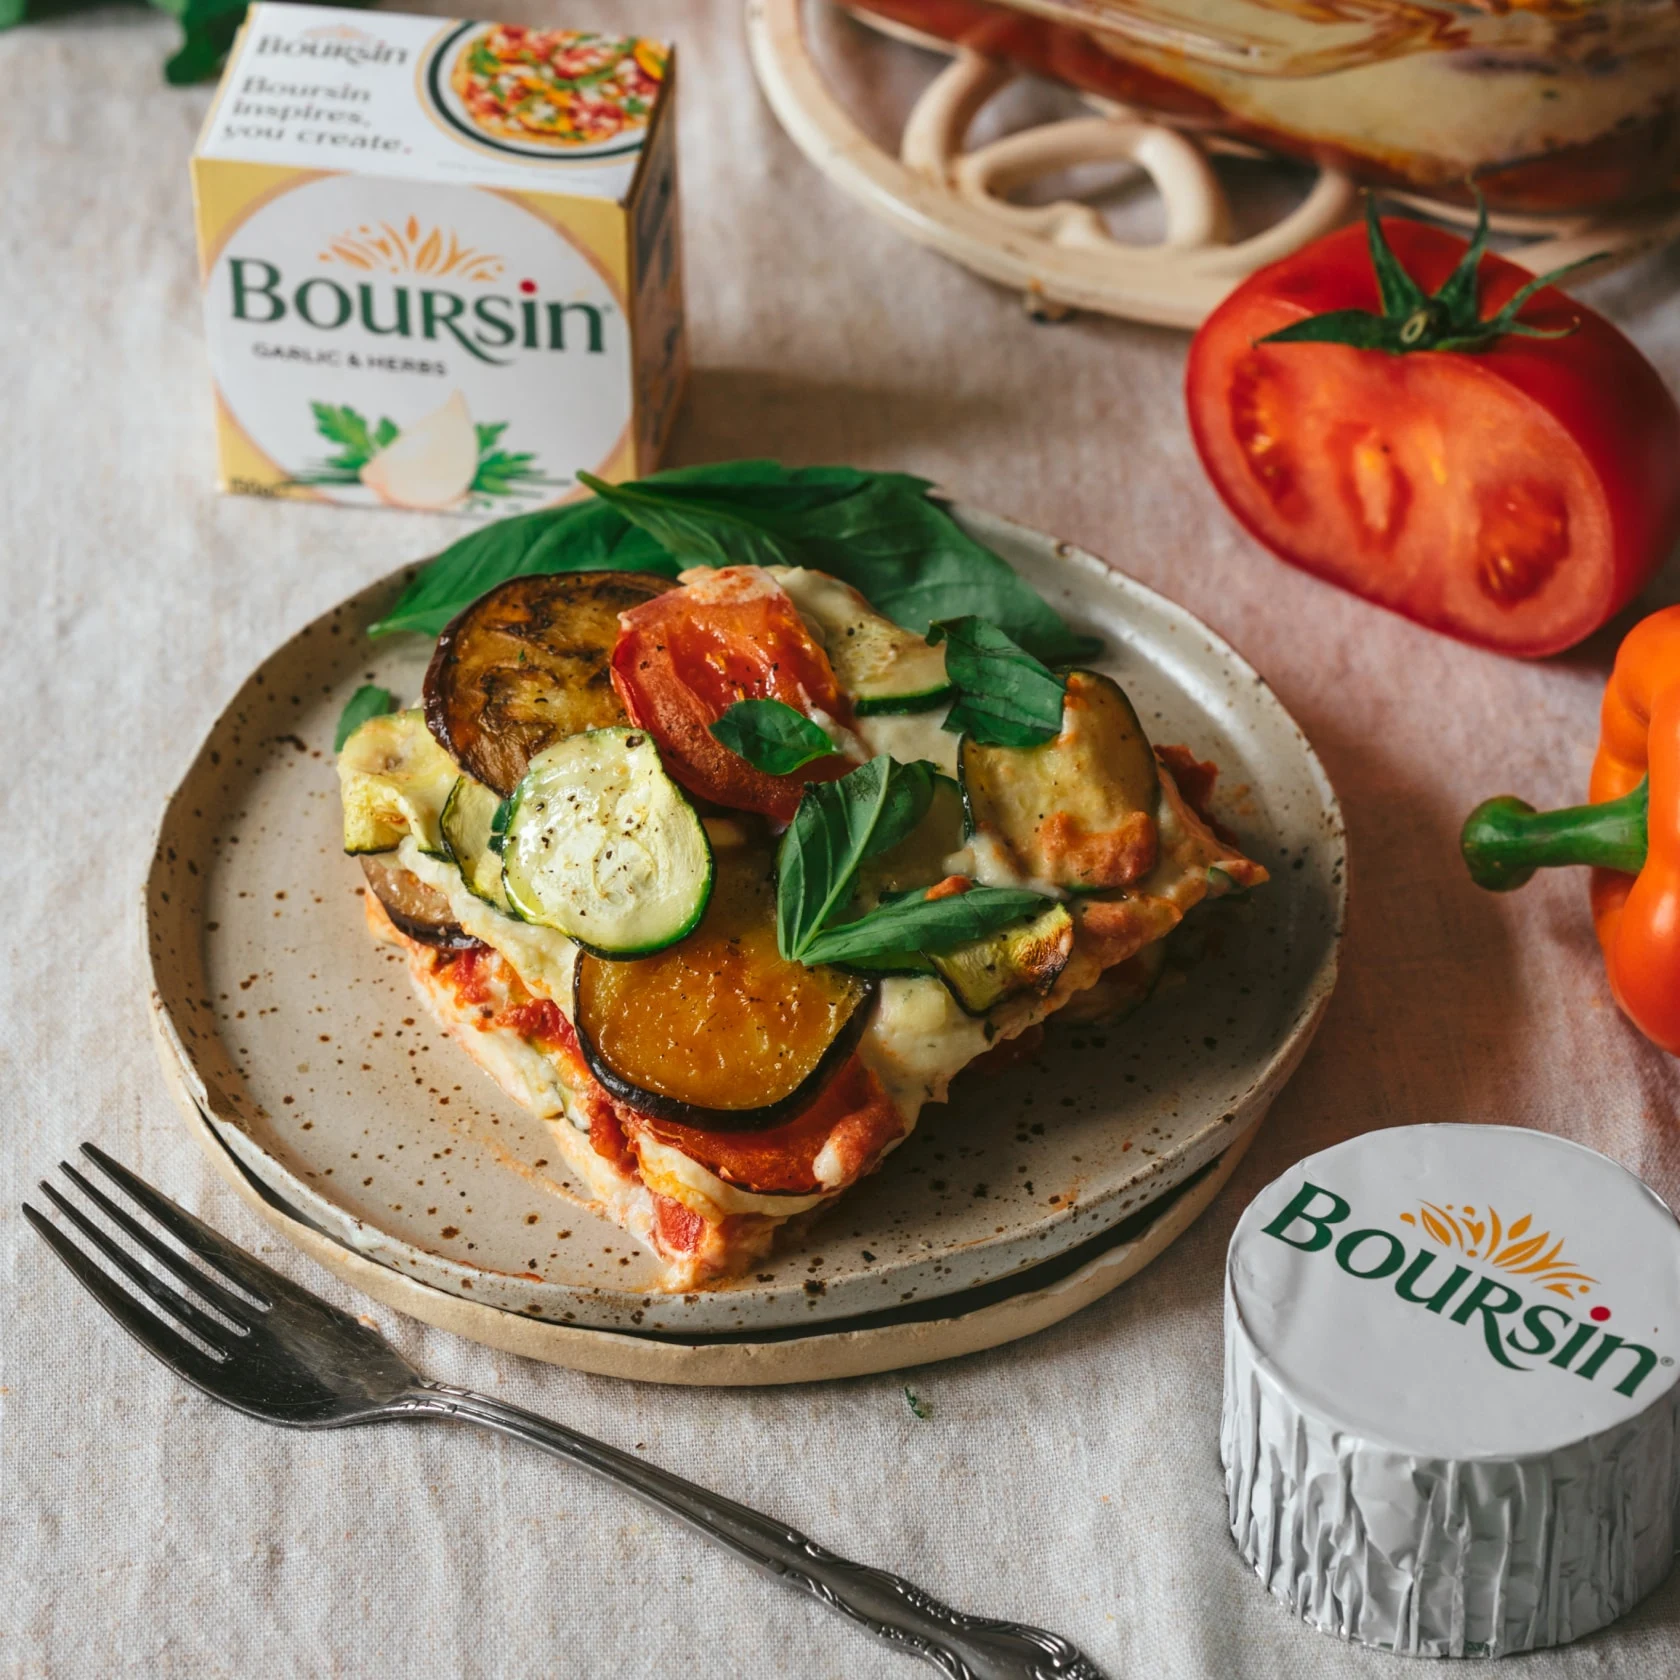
[683, 659]
[1515, 496]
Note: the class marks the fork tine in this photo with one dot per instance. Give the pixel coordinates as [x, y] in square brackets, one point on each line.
[150, 1331]
[223, 1300]
[171, 1300]
[209, 1245]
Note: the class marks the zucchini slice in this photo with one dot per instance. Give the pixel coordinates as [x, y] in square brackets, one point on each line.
[603, 846]
[528, 664]
[720, 1032]
[469, 833]
[394, 779]
[1024, 958]
[1078, 811]
[879, 665]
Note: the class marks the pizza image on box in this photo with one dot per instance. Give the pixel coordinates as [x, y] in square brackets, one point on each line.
[564, 88]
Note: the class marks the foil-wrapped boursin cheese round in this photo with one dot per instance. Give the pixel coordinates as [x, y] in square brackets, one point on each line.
[1452, 1409]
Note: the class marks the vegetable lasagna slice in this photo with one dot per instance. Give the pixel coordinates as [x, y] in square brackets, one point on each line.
[725, 879]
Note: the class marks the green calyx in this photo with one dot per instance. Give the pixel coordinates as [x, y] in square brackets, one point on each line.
[1412, 319]
[1505, 840]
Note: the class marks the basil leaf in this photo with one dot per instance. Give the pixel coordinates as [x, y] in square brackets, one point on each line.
[1005, 697]
[208, 28]
[724, 525]
[579, 537]
[911, 560]
[879, 532]
[369, 701]
[772, 736]
[909, 793]
[837, 827]
[576, 537]
[924, 924]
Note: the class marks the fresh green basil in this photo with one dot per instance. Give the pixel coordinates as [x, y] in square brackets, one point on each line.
[208, 28]
[922, 924]
[1005, 697]
[369, 701]
[879, 532]
[753, 524]
[838, 826]
[586, 536]
[772, 736]
[579, 537]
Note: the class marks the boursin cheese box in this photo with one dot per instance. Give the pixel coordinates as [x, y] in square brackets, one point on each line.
[1452, 1408]
[440, 260]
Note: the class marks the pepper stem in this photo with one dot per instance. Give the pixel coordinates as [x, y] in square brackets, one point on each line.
[1505, 840]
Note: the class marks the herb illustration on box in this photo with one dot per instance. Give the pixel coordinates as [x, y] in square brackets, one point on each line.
[443, 461]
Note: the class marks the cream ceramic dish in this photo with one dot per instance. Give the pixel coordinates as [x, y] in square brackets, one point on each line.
[323, 1079]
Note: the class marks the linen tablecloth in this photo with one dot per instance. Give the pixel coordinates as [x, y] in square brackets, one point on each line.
[1071, 1479]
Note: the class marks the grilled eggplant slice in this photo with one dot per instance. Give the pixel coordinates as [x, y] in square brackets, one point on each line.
[1024, 958]
[420, 911]
[718, 1031]
[394, 779]
[1078, 811]
[528, 664]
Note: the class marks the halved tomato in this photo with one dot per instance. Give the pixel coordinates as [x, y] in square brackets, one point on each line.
[683, 659]
[1515, 495]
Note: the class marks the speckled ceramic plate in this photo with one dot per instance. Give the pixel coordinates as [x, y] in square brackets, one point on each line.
[320, 1074]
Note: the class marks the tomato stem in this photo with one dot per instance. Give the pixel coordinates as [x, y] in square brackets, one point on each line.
[1505, 840]
[1410, 319]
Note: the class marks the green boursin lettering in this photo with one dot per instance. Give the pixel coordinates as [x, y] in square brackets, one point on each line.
[1644, 1361]
[1307, 1223]
[1300, 1208]
[266, 288]
[480, 325]
[1482, 1299]
[443, 309]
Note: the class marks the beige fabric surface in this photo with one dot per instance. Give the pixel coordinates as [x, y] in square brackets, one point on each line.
[1071, 1479]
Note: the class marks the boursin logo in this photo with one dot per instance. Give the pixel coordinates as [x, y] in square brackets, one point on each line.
[342, 42]
[1510, 1323]
[410, 282]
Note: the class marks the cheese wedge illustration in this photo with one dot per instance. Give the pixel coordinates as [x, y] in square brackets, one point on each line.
[431, 464]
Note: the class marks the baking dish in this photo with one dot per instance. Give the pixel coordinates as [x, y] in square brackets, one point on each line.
[1555, 105]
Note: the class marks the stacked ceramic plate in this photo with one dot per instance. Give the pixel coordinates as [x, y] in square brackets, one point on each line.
[308, 1069]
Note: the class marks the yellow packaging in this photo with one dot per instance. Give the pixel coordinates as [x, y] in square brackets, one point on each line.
[440, 260]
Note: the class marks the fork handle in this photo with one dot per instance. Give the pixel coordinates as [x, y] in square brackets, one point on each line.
[963, 1647]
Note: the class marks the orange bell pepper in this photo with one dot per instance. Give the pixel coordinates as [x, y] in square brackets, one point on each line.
[1629, 831]
[1638, 916]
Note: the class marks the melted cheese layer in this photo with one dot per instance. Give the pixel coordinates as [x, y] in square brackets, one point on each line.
[545, 960]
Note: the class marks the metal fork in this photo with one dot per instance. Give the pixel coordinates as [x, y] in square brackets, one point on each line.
[275, 1351]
